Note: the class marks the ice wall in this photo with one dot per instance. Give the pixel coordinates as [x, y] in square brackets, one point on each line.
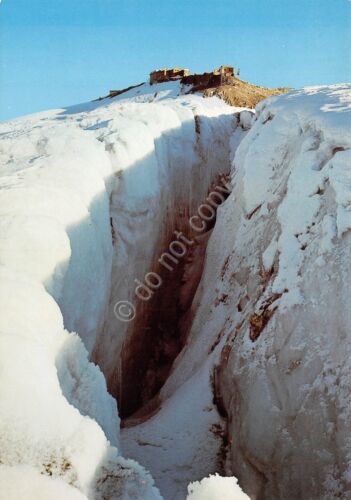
[55, 254]
[275, 297]
[166, 156]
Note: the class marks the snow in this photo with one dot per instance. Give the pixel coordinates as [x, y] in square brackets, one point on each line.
[269, 254]
[143, 93]
[246, 118]
[179, 443]
[155, 92]
[25, 483]
[282, 243]
[86, 196]
[161, 163]
[340, 179]
[65, 177]
[216, 488]
[310, 126]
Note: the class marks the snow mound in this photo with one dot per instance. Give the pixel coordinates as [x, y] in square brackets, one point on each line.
[25, 483]
[216, 488]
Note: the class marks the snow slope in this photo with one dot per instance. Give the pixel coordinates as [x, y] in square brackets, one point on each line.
[70, 181]
[276, 291]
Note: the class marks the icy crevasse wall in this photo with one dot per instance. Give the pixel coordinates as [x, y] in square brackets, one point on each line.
[56, 414]
[167, 158]
[59, 173]
[280, 255]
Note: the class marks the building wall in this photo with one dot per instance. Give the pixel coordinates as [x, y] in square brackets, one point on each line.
[213, 79]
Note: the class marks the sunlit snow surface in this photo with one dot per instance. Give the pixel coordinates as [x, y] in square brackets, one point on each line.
[64, 173]
[216, 488]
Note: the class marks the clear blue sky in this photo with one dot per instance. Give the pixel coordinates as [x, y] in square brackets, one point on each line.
[59, 52]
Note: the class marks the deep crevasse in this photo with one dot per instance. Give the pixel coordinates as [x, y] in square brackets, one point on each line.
[61, 174]
[274, 287]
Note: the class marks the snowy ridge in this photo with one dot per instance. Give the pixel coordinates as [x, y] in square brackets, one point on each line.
[143, 93]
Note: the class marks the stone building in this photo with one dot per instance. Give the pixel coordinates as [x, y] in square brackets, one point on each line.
[220, 76]
[226, 72]
[165, 75]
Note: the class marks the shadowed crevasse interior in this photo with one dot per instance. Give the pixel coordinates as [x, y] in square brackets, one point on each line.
[162, 322]
[137, 357]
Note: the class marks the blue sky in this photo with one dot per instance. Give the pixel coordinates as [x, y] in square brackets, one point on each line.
[59, 52]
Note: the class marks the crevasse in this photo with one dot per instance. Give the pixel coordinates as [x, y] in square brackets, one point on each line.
[105, 187]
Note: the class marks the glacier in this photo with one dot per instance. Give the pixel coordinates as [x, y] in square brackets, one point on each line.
[89, 198]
